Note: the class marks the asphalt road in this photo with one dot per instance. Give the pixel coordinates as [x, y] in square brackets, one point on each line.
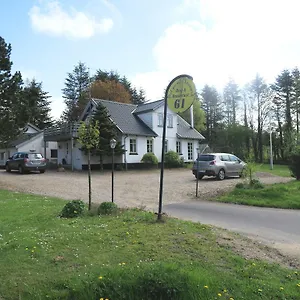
[277, 227]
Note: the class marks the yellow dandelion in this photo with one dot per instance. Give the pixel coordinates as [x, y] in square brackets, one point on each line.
[253, 264]
[260, 290]
[34, 247]
[101, 299]
[206, 287]
[298, 284]
[120, 264]
[123, 263]
[225, 291]
[281, 288]
[100, 277]
[127, 232]
[106, 299]
[296, 272]
[219, 294]
[32, 251]
[231, 298]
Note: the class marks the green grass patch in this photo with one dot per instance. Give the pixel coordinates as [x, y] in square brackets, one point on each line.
[279, 170]
[127, 256]
[279, 195]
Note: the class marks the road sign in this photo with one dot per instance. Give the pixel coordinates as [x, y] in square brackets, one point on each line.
[181, 93]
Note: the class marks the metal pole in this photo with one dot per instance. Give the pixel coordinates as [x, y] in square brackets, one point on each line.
[271, 151]
[159, 215]
[112, 176]
[197, 183]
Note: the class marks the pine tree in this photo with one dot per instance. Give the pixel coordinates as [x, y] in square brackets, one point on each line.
[10, 95]
[296, 104]
[76, 93]
[38, 106]
[107, 131]
[232, 98]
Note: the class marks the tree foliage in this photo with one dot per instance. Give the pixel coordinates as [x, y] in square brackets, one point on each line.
[76, 93]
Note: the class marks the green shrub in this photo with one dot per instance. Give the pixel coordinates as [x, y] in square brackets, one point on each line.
[240, 185]
[73, 209]
[173, 160]
[107, 208]
[294, 164]
[150, 158]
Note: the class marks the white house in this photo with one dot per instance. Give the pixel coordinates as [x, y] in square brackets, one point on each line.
[31, 140]
[140, 131]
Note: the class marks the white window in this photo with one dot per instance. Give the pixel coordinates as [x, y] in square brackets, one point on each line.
[190, 151]
[132, 147]
[2, 155]
[149, 145]
[178, 147]
[160, 119]
[170, 120]
[166, 146]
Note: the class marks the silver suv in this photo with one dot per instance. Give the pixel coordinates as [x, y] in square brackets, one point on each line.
[220, 165]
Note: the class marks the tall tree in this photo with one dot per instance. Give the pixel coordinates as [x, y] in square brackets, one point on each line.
[137, 96]
[260, 97]
[76, 93]
[212, 107]
[107, 131]
[10, 93]
[296, 104]
[38, 105]
[110, 90]
[232, 98]
[284, 97]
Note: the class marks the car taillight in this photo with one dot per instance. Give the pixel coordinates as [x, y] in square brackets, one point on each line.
[26, 160]
[212, 163]
[44, 160]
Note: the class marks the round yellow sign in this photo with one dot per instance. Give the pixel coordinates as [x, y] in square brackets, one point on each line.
[181, 93]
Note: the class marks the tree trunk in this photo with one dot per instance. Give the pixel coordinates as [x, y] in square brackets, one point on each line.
[90, 181]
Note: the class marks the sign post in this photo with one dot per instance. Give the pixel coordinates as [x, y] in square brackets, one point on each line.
[180, 95]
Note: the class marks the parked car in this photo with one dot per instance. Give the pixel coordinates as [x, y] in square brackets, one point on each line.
[220, 165]
[26, 162]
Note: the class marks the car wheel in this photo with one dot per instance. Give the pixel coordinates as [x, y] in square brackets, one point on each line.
[21, 170]
[221, 175]
[42, 171]
[7, 168]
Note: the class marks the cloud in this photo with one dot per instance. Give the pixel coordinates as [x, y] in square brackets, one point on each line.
[226, 39]
[53, 20]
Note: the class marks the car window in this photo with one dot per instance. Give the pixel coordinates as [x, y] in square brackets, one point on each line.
[32, 156]
[15, 156]
[224, 158]
[206, 157]
[22, 155]
[233, 158]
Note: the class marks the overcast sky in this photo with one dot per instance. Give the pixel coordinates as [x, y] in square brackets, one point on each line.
[152, 41]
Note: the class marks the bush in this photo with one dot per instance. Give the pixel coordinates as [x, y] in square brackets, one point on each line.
[294, 164]
[240, 185]
[173, 160]
[107, 208]
[150, 158]
[73, 209]
[256, 184]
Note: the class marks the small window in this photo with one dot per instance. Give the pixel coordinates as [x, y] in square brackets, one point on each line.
[170, 121]
[132, 147]
[160, 119]
[190, 151]
[207, 157]
[149, 145]
[32, 156]
[166, 146]
[53, 153]
[178, 147]
[15, 156]
[2, 155]
[233, 158]
[224, 158]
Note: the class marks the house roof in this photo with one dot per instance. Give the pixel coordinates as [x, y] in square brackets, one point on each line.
[122, 115]
[185, 131]
[23, 138]
[150, 106]
[33, 127]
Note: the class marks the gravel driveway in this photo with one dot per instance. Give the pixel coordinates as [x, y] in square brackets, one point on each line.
[132, 188]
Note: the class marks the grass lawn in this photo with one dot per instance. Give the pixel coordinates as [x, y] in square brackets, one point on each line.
[129, 256]
[279, 195]
[280, 170]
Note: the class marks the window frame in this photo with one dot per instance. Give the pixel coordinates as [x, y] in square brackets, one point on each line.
[160, 120]
[169, 120]
[178, 147]
[166, 146]
[149, 145]
[134, 145]
[190, 150]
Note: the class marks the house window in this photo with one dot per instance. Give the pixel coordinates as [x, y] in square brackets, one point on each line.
[190, 151]
[132, 147]
[178, 147]
[160, 119]
[166, 146]
[53, 153]
[170, 121]
[2, 155]
[149, 145]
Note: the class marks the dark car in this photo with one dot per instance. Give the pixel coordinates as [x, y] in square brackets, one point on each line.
[26, 162]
